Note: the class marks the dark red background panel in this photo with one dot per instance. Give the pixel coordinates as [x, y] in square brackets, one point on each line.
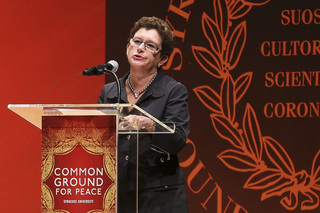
[45, 46]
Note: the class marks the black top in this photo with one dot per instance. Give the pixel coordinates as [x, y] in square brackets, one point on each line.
[166, 100]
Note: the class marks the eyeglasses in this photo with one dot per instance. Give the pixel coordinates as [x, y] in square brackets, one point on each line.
[148, 46]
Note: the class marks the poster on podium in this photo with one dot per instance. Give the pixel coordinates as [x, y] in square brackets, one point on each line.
[78, 163]
[79, 152]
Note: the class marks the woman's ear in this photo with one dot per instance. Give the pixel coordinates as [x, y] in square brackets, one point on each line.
[164, 59]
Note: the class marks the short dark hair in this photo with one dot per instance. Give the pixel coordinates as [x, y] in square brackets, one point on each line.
[163, 29]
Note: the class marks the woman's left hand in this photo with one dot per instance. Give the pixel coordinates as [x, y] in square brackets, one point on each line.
[137, 122]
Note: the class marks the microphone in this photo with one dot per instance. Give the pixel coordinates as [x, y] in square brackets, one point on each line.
[111, 67]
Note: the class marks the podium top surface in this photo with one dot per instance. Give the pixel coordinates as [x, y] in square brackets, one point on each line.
[34, 112]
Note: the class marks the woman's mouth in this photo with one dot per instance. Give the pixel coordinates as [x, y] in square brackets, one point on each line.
[138, 57]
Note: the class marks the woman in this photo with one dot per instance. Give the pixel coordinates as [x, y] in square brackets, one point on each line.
[161, 182]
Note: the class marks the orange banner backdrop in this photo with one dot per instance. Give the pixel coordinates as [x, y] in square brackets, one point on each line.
[45, 46]
[252, 71]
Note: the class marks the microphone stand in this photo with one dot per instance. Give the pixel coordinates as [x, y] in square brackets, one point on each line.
[118, 84]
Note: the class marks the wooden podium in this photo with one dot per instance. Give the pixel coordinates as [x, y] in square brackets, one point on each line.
[79, 152]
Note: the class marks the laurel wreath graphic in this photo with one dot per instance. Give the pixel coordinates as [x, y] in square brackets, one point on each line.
[63, 140]
[271, 168]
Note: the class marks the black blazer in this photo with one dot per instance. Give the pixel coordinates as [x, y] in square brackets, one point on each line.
[166, 100]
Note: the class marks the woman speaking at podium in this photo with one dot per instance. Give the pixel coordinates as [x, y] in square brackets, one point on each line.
[161, 181]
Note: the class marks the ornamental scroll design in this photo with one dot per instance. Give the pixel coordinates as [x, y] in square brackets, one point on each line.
[63, 140]
[270, 166]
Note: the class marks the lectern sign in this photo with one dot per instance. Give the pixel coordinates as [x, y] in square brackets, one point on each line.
[78, 164]
[79, 153]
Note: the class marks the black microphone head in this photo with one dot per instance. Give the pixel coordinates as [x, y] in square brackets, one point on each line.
[88, 72]
[112, 66]
[96, 70]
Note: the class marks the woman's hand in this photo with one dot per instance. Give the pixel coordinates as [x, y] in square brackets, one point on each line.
[137, 122]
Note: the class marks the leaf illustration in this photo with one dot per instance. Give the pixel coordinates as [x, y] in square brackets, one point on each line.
[315, 171]
[235, 45]
[226, 130]
[263, 179]
[207, 61]
[252, 132]
[237, 161]
[242, 85]
[209, 98]
[109, 165]
[278, 155]
[281, 188]
[271, 166]
[109, 203]
[238, 9]
[213, 34]
[47, 166]
[228, 98]
[91, 147]
[47, 202]
[255, 2]
[221, 16]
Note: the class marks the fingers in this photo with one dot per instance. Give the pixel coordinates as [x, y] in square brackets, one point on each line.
[136, 122]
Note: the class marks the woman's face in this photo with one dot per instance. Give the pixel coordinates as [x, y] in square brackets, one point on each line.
[143, 57]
